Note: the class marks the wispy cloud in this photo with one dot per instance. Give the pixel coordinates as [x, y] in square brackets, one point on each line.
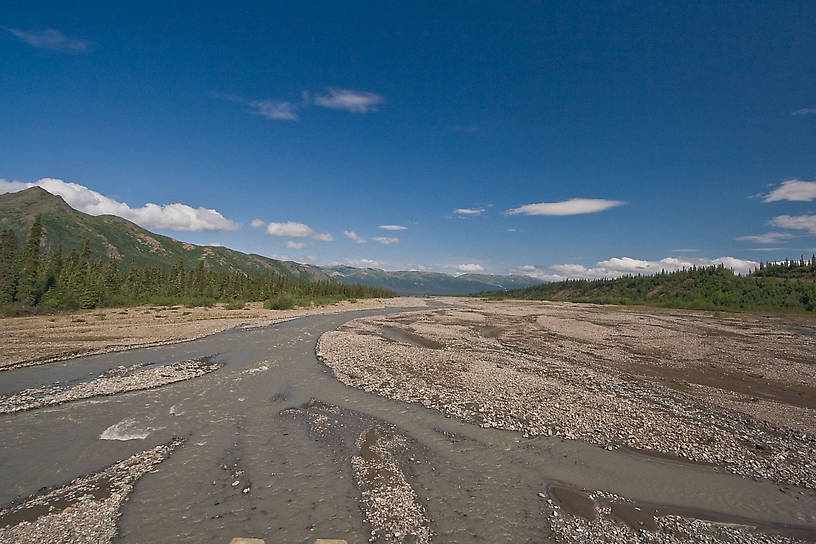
[470, 267]
[354, 236]
[291, 244]
[52, 40]
[622, 266]
[393, 227]
[469, 211]
[360, 263]
[292, 229]
[349, 100]
[289, 110]
[153, 216]
[767, 238]
[271, 109]
[795, 222]
[804, 111]
[387, 240]
[794, 190]
[573, 206]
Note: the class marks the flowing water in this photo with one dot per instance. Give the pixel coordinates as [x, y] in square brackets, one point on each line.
[477, 484]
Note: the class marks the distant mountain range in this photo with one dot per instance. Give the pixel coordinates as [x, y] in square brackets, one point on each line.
[411, 282]
[113, 236]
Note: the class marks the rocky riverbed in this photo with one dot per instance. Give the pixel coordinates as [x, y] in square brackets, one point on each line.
[111, 382]
[380, 457]
[668, 385]
[577, 516]
[84, 511]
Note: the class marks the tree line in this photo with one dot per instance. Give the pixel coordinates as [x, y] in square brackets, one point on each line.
[786, 287]
[30, 279]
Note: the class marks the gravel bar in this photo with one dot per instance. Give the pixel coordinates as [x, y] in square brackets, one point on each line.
[85, 511]
[111, 382]
[513, 367]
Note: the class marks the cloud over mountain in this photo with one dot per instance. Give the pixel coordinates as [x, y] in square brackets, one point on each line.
[176, 216]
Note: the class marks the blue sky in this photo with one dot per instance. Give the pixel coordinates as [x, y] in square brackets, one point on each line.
[648, 131]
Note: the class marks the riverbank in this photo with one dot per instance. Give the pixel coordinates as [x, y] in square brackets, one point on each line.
[26, 341]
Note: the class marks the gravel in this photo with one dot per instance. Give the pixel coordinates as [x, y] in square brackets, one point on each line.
[569, 527]
[84, 511]
[379, 455]
[111, 382]
[494, 376]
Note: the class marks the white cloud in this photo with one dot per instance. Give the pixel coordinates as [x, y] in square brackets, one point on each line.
[794, 190]
[573, 206]
[293, 229]
[169, 216]
[622, 266]
[215, 244]
[393, 227]
[53, 40]
[349, 100]
[468, 211]
[470, 267]
[271, 109]
[354, 236]
[512, 230]
[291, 244]
[796, 222]
[804, 111]
[767, 238]
[387, 240]
[361, 263]
[258, 224]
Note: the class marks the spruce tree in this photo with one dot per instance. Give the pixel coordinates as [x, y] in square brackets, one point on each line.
[8, 266]
[27, 288]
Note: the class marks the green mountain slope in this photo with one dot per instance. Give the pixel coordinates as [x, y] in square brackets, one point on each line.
[412, 282]
[110, 235]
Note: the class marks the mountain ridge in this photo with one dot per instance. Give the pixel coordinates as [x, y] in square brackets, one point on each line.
[113, 236]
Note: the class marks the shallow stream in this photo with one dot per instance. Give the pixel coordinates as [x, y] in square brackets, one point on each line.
[477, 484]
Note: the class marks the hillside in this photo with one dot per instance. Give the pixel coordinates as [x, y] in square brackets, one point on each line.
[778, 289]
[110, 235]
[412, 282]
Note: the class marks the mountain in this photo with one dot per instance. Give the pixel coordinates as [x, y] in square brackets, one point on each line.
[112, 236]
[412, 282]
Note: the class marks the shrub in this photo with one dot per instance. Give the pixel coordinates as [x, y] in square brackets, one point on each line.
[284, 301]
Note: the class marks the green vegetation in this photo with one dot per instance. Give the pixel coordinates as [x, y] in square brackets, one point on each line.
[31, 280]
[111, 236]
[786, 287]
